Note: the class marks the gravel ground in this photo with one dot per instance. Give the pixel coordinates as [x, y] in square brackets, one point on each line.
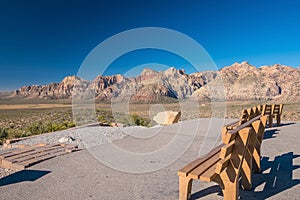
[5, 172]
[84, 137]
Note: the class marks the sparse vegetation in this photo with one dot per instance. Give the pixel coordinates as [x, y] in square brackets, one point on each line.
[30, 120]
[3, 134]
[135, 120]
[38, 128]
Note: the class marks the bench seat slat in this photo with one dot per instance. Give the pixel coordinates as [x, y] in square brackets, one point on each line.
[188, 168]
[210, 163]
[209, 174]
[39, 154]
[36, 150]
[23, 165]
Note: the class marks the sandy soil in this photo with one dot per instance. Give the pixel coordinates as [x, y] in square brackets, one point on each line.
[30, 106]
[82, 175]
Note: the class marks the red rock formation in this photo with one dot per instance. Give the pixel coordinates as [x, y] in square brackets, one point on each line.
[240, 81]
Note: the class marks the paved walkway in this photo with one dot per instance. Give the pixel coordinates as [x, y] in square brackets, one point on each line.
[80, 176]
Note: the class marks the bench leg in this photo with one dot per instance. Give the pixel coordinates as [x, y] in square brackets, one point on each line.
[278, 119]
[246, 171]
[270, 120]
[185, 188]
[231, 190]
[256, 159]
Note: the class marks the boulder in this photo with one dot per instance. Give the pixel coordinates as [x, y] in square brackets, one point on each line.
[167, 117]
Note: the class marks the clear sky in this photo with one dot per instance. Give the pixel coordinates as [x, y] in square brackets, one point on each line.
[44, 41]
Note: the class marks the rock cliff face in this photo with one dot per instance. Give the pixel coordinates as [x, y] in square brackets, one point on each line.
[63, 89]
[240, 81]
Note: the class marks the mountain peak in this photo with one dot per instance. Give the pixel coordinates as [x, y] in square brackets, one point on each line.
[148, 71]
[70, 79]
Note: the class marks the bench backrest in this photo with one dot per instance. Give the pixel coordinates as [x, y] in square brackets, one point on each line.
[232, 154]
[260, 108]
[243, 117]
[256, 111]
[228, 134]
[258, 133]
[267, 110]
[248, 114]
[238, 140]
[277, 109]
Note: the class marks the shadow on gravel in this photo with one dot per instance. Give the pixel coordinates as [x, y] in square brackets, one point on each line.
[266, 184]
[270, 131]
[21, 176]
[270, 134]
[281, 125]
[207, 191]
[285, 124]
[279, 179]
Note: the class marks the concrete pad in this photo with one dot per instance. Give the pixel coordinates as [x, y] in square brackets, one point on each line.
[80, 176]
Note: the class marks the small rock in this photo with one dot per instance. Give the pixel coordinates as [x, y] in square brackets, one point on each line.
[114, 124]
[121, 125]
[67, 139]
[104, 124]
[11, 125]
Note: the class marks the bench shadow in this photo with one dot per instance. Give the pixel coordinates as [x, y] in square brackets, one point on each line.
[21, 176]
[285, 124]
[207, 191]
[279, 179]
[270, 134]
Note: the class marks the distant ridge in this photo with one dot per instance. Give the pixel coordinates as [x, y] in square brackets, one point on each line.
[241, 81]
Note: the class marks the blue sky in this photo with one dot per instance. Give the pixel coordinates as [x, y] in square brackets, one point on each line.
[44, 41]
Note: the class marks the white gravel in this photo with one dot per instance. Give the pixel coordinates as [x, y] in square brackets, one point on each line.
[5, 172]
[84, 137]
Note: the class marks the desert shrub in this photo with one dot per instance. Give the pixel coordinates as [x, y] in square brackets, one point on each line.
[16, 133]
[134, 120]
[3, 134]
[71, 124]
[39, 128]
[105, 119]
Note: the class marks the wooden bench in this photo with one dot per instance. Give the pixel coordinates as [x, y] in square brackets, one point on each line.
[23, 157]
[260, 108]
[252, 157]
[253, 154]
[267, 110]
[276, 113]
[257, 110]
[223, 164]
[245, 116]
[273, 111]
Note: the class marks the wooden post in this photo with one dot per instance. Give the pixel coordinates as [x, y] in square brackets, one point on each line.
[231, 190]
[185, 188]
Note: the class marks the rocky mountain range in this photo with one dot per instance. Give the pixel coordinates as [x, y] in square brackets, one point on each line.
[240, 81]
